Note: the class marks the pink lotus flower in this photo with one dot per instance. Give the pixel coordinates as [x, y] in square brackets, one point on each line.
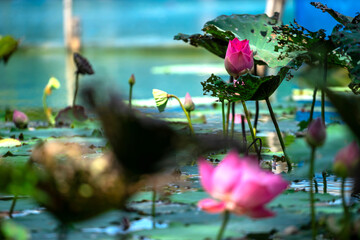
[239, 57]
[20, 119]
[316, 133]
[240, 186]
[346, 160]
[189, 104]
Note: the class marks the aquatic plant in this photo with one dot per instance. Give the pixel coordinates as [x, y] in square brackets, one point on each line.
[238, 185]
[20, 119]
[238, 58]
[131, 84]
[83, 67]
[52, 84]
[345, 164]
[315, 137]
[161, 99]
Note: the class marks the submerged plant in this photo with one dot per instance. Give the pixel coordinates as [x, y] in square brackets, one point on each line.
[50, 86]
[238, 185]
[161, 99]
[83, 67]
[20, 119]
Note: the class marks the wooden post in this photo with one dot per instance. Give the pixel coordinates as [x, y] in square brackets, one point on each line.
[67, 22]
[273, 6]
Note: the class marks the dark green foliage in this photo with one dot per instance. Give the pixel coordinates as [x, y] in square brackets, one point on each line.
[249, 87]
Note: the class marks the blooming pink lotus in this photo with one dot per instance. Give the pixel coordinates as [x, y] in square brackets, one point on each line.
[240, 186]
[239, 57]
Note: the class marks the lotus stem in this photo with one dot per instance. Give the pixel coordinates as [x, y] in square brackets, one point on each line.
[223, 225]
[312, 201]
[346, 218]
[63, 231]
[243, 129]
[130, 95]
[232, 120]
[11, 211]
[153, 206]
[186, 113]
[250, 126]
[257, 109]
[278, 133]
[316, 185]
[76, 87]
[227, 118]
[223, 116]
[313, 105]
[324, 174]
[322, 90]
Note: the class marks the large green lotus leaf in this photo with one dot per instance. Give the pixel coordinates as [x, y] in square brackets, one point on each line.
[255, 28]
[215, 45]
[336, 15]
[8, 45]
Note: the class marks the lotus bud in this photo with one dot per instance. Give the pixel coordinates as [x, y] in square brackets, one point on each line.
[20, 119]
[132, 80]
[52, 84]
[161, 99]
[189, 104]
[238, 58]
[346, 160]
[316, 133]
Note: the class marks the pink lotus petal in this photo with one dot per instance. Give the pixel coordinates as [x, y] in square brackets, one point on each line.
[259, 212]
[206, 171]
[211, 206]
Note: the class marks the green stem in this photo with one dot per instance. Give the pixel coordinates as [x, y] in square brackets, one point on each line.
[223, 116]
[250, 126]
[313, 105]
[186, 113]
[322, 90]
[316, 185]
[223, 225]
[11, 211]
[312, 201]
[63, 231]
[257, 109]
[227, 119]
[76, 88]
[130, 95]
[324, 174]
[279, 134]
[345, 234]
[50, 117]
[232, 120]
[153, 206]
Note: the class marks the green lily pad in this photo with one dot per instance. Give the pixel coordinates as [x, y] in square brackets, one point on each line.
[249, 87]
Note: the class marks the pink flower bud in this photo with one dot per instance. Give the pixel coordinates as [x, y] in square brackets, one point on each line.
[239, 57]
[189, 104]
[316, 133]
[132, 80]
[346, 160]
[20, 119]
